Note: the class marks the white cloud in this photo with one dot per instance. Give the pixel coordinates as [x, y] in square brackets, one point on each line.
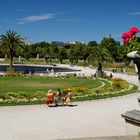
[35, 18]
[76, 20]
[134, 14]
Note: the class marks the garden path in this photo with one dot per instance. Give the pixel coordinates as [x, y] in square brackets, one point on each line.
[87, 119]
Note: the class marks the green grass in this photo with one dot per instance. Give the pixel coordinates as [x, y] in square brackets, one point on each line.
[30, 85]
[33, 89]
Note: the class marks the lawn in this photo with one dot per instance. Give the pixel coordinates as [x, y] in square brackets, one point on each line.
[33, 89]
[32, 85]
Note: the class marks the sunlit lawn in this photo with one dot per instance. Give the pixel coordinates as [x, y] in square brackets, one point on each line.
[31, 85]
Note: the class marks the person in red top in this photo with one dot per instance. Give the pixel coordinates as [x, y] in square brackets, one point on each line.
[50, 98]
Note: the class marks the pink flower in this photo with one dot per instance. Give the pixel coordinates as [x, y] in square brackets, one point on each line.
[125, 41]
[130, 34]
[126, 37]
[133, 31]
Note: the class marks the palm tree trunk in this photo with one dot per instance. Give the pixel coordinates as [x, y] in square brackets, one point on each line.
[11, 58]
[100, 69]
[50, 61]
[85, 62]
[99, 66]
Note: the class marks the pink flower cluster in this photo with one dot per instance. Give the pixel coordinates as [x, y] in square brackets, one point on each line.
[130, 34]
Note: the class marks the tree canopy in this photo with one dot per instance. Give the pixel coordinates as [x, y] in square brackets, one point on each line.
[11, 40]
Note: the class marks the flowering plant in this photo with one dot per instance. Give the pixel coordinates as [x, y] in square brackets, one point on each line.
[130, 34]
[131, 41]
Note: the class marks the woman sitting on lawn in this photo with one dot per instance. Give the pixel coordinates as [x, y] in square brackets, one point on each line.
[68, 97]
[50, 98]
[58, 97]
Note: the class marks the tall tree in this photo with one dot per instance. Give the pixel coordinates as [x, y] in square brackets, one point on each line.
[11, 40]
[75, 53]
[25, 51]
[111, 45]
[92, 43]
[71, 54]
[62, 54]
[101, 55]
[85, 53]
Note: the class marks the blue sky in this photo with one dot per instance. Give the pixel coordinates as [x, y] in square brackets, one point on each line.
[69, 20]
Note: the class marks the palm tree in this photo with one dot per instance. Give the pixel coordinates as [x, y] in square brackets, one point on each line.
[11, 40]
[100, 54]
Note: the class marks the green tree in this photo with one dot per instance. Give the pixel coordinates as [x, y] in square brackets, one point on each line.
[111, 45]
[89, 50]
[71, 54]
[50, 52]
[62, 54]
[11, 40]
[54, 50]
[75, 53]
[39, 48]
[86, 52]
[101, 55]
[92, 43]
[78, 47]
[25, 51]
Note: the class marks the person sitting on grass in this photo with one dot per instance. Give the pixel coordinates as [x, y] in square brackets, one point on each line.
[68, 97]
[50, 98]
[58, 96]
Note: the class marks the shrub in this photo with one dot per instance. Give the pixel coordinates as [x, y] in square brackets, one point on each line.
[13, 74]
[80, 89]
[10, 74]
[119, 83]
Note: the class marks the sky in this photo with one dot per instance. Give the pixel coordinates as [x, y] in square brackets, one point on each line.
[69, 20]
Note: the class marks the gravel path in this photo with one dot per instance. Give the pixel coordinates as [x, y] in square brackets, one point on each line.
[85, 119]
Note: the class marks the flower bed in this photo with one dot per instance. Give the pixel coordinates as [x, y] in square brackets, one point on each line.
[111, 88]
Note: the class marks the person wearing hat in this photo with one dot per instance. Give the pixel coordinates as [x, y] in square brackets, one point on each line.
[68, 96]
[50, 98]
